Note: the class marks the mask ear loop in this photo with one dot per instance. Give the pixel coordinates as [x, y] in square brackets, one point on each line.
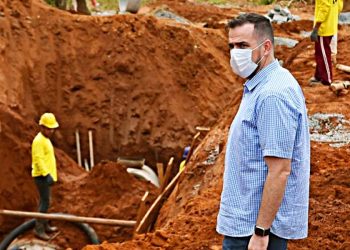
[263, 55]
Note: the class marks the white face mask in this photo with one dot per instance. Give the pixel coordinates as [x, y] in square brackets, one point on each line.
[241, 61]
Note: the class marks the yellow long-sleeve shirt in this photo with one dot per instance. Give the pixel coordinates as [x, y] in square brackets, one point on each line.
[327, 13]
[43, 157]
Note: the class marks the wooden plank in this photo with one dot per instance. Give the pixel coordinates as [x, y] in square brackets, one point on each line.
[66, 217]
[152, 214]
[142, 209]
[202, 129]
[194, 140]
[160, 170]
[167, 173]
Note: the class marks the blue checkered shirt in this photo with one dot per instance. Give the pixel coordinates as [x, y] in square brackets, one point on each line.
[271, 121]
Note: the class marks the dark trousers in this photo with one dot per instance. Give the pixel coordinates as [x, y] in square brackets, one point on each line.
[241, 243]
[44, 188]
[43, 184]
[323, 60]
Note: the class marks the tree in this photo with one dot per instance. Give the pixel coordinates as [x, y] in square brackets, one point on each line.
[82, 7]
[64, 5]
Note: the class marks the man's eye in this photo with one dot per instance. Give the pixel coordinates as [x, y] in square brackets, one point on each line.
[231, 46]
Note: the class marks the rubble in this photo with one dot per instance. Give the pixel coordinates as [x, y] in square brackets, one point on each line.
[280, 15]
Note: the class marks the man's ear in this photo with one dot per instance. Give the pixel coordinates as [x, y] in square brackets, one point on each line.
[268, 47]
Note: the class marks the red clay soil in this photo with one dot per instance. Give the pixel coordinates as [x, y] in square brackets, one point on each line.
[106, 192]
[142, 85]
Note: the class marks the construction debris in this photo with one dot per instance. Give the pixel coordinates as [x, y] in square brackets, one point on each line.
[338, 86]
[344, 18]
[331, 128]
[281, 15]
[165, 13]
[343, 67]
[284, 41]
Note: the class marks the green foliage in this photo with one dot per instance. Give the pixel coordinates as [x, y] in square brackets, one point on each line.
[51, 2]
[266, 2]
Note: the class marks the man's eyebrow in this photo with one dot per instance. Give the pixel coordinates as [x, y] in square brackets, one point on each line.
[232, 45]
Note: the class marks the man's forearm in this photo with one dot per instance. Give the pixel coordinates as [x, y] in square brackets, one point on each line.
[273, 192]
[317, 26]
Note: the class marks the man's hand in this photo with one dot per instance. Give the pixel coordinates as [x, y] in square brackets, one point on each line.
[258, 242]
[314, 35]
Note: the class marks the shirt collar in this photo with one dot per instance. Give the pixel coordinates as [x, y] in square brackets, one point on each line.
[252, 83]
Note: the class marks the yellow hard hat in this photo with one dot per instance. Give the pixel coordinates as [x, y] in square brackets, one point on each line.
[48, 120]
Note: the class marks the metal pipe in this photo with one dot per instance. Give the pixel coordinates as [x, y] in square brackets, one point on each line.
[72, 218]
[86, 164]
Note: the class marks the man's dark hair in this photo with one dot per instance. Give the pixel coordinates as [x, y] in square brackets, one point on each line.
[262, 25]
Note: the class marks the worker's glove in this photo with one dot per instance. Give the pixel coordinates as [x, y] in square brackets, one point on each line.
[314, 35]
[49, 179]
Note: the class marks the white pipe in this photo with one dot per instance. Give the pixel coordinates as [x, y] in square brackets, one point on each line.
[152, 174]
[143, 174]
[91, 149]
[86, 164]
[77, 139]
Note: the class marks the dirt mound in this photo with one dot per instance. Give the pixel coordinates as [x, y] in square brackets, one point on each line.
[140, 84]
[106, 192]
[188, 220]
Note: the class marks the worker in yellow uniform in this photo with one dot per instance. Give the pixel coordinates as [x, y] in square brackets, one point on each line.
[325, 27]
[44, 170]
[184, 157]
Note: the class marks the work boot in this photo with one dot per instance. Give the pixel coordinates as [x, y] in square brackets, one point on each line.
[39, 230]
[313, 81]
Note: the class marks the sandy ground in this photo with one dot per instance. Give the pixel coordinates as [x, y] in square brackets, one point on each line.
[142, 84]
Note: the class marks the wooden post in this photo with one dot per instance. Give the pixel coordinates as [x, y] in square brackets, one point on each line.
[77, 140]
[152, 213]
[72, 218]
[167, 174]
[91, 147]
[142, 210]
[160, 170]
[194, 140]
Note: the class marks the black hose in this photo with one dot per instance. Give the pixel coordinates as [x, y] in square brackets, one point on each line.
[89, 231]
[16, 232]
